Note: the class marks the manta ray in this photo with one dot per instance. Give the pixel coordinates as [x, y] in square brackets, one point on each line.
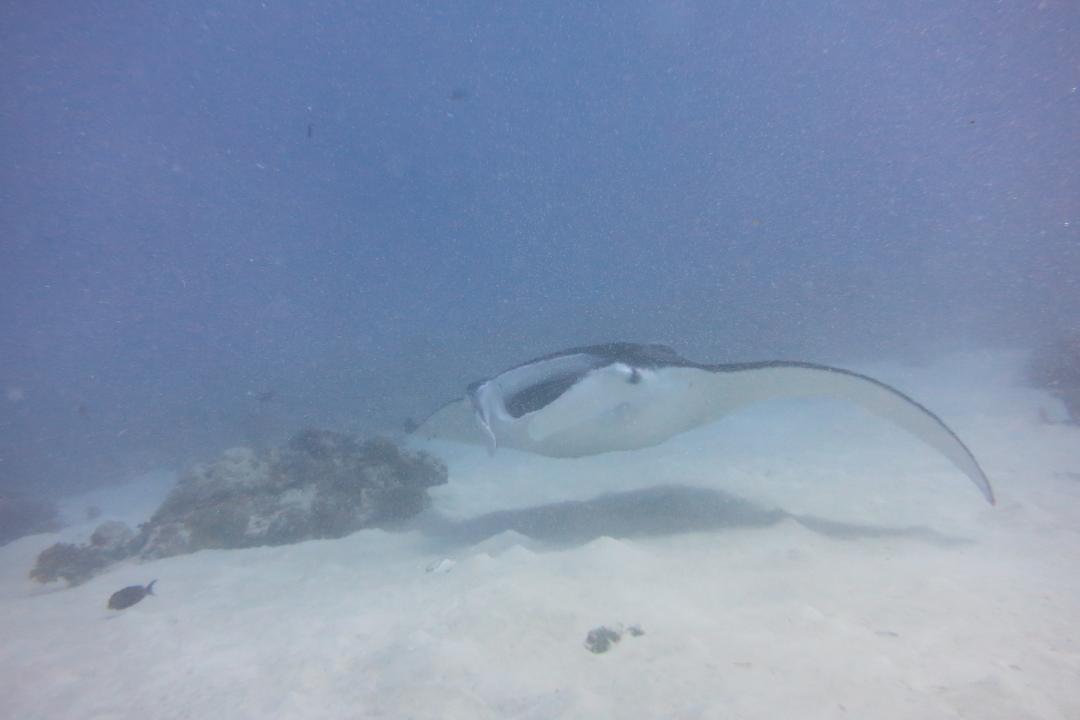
[624, 396]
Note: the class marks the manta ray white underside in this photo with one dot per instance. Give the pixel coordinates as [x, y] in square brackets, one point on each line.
[624, 396]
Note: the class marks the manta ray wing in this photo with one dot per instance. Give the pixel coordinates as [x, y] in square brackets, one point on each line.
[735, 385]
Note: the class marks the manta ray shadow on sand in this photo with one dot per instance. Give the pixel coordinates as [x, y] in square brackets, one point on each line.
[656, 511]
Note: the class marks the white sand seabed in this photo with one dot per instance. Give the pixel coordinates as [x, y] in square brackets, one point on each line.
[980, 620]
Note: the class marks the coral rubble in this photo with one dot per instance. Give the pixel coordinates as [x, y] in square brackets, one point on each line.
[75, 564]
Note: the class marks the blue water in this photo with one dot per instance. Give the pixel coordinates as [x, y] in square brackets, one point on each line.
[220, 222]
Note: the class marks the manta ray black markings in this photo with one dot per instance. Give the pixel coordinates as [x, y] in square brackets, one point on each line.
[624, 396]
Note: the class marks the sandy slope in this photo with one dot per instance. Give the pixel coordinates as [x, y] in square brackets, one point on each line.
[970, 611]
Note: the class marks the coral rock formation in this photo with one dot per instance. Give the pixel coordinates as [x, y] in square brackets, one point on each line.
[321, 485]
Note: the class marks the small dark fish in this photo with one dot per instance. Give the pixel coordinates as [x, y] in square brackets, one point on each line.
[458, 94]
[310, 130]
[83, 410]
[267, 396]
[410, 426]
[130, 595]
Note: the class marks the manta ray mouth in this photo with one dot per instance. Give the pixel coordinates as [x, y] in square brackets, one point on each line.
[538, 396]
